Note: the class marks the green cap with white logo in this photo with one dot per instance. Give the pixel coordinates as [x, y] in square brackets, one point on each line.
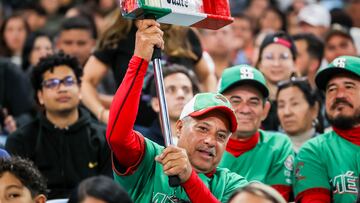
[243, 75]
[203, 103]
[342, 64]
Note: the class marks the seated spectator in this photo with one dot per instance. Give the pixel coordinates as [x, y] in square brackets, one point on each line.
[76, 38]
[37, 45]
[99, 189]
[180, 85]
[338, 42]
[298, 110]
[13, 32]
[15, 99]
[276, 61]
[63, 141]
[256, 193]
[21, 181]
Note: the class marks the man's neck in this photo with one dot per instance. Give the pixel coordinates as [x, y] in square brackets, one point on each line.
[63, 120]
[242, 136]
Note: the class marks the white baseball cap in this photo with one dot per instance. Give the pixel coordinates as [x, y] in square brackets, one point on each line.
[315, 15]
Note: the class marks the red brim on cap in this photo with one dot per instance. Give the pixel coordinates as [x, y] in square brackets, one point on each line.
[228, 112]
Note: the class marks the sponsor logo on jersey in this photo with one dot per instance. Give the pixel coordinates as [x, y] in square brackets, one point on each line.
[289, 163]
[345, 183]
[298, 168]
[164, 198]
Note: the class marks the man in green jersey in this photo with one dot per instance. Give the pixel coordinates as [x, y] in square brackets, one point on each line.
[142, 166]
[255, 154]
[328, 166]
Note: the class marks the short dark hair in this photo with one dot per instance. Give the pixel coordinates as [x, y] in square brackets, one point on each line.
[315, 47]
[176, 68]
[49, 63]
[26, 172]
[100, 187]
[77, 22]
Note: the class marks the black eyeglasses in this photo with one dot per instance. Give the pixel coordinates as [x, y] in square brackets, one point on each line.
[55, 82]
[292, 80]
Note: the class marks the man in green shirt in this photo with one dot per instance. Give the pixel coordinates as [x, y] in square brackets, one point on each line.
[255, 154]
[204, 127]
[328, 166]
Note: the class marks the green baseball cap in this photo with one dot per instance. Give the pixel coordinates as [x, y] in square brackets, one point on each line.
[240, 75]
[342, 64]
[203, 103]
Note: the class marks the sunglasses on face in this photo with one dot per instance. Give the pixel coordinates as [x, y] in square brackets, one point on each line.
[55, 82]
[292, 80]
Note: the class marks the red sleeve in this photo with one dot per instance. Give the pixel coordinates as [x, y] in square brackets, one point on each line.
[284, 190]
[120, 135]
[197, 191]
[314, 195]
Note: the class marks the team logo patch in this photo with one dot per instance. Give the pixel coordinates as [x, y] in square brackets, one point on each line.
[298, 175]
[340, 62]
[289, 163]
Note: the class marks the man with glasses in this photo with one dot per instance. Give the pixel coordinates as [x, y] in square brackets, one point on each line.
[327, 166]
[255, 154]
[64, 142]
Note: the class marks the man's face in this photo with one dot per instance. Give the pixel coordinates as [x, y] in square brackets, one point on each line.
[204, 138]
[76, 42]
[318, 31]
[338, 45]
[303, 60]
[178, 90]
[249, 108]
[242, 32]
[61, 98]
[12, 190]
[343, 101]
[219, 43]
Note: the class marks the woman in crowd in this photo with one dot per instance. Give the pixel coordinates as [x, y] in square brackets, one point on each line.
[276, 61]
[298, 111]
[37, 45]
[13, 33]
[114, 51]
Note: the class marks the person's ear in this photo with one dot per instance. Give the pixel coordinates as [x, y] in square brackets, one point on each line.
[40, 198]
[40, 97]
[179, 126]
[266, 110]
[155, 104]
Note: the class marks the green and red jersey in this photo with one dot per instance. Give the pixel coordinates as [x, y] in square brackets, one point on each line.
[267, 157]
[133, 155]
[328, 166]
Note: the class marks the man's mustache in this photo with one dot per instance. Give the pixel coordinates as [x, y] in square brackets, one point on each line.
[340, 101]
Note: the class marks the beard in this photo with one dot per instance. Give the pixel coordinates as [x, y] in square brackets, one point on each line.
[345, 122]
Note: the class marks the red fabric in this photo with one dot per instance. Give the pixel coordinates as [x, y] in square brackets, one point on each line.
[314, 195]
[283, 42]
[197, 191]
[119, 134]
[123, 140]
[352, 135]
[284, 190]
[238, 147]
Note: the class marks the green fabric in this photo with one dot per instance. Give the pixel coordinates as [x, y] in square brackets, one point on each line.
[342, 64]
[243, 74]
[329, 162]
[149, 184]
[206, 100]
[270, 161]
